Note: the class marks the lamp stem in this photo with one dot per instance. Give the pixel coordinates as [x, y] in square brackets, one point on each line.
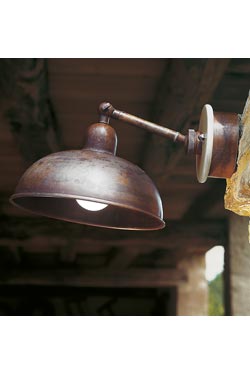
[107, 110]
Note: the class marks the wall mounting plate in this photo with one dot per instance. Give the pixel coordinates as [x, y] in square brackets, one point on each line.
[203, 160]
[220, 147]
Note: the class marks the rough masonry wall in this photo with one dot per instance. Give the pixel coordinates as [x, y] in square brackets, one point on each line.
[239, 265]
[237, 198]
[192, 297]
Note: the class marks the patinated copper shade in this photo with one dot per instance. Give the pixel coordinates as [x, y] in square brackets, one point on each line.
[51, 186]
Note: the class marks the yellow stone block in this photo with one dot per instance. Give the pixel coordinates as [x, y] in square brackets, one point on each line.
[237, 197]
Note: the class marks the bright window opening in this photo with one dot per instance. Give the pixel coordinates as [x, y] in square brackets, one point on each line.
[214, 262]
[214, 275]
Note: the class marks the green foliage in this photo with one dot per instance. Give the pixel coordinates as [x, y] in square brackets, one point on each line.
[216, 296]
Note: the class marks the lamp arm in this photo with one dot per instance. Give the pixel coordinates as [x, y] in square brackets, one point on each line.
[107, 111]
[215, 144]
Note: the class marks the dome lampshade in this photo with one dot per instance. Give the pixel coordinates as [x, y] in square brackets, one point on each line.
[91, 186]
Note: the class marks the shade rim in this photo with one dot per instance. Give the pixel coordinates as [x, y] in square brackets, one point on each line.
[72, 196]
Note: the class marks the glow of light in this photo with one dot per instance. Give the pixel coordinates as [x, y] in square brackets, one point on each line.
[214, 262]
[91, 206]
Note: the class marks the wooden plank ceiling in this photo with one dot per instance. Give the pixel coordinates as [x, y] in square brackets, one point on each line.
[47, 105]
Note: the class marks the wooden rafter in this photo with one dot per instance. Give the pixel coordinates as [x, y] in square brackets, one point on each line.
[177, 234]
[28, 109]
[122, 258]
[131, 278]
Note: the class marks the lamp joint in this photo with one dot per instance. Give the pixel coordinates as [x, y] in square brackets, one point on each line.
[194, 142]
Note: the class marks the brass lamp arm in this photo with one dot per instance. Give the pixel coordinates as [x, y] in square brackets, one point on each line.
[107, 111]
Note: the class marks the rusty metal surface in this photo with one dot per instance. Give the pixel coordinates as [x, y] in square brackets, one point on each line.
[51, 186]
[225, 145]
[108, 110]
[194, 142]
[101, 137]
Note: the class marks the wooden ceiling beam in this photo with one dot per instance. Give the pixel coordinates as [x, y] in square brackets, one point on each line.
[239, 66]
[122, 258]
[25, 88]
[130, 278]
[186, 85]
[177, 234]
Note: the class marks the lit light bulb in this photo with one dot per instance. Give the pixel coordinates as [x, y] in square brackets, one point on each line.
[91, 206]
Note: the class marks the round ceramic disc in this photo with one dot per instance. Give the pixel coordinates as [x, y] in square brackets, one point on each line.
[203, 160]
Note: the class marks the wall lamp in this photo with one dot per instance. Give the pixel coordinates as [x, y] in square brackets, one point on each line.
[93, 186]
